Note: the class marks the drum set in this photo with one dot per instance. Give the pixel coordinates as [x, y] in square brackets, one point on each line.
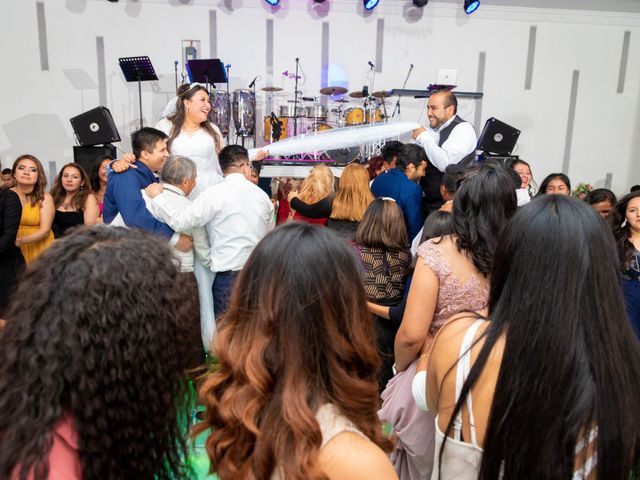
[330, 109]
[334, 107]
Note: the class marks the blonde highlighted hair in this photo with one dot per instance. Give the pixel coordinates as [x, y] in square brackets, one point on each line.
[318, 184]
[354, 195]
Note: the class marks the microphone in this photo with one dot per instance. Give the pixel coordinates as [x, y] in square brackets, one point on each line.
[411, 66]
[308, 99]
[253, 82]
[371, 65]
[176, 62]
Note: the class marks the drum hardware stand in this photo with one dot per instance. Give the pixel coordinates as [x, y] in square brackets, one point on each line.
[295, 98]
[404, 85]
[227, 68]
[255, 113]
[138, 69]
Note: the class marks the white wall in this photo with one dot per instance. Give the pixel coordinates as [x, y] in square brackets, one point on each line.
[35, 105]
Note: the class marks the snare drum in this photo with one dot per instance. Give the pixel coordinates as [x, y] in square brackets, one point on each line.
[244, 110]
[354, 116]
[287, 110]
[220, 113]
[374, 115]
[318, 112]
[267, 128]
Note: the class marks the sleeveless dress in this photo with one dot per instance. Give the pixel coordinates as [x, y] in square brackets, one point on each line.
[462, 460]
[332, 423]
[413, 455]
[30, 223]
[62, 221]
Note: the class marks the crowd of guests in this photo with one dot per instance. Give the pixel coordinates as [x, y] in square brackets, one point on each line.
[494, 327]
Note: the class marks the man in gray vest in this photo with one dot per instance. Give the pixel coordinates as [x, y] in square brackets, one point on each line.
[449, 140]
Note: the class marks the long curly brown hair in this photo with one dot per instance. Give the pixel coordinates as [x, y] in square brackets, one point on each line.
[101, 346]
[622, 233]
[80, 197]
[297, 335]
[186, 92]
[35, 196]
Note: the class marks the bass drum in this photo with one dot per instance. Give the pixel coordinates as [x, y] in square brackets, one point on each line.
[244, 112]
[220, 113]
[354, 116]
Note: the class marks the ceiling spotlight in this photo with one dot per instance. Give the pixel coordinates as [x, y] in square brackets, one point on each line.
[420, 3]
[319, 1]
[370, 4]
[471, 6]
[272, 2]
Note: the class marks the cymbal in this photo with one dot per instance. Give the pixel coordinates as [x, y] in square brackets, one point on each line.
[333, 90]
[382, 94]
[271, 89]
[357, 94]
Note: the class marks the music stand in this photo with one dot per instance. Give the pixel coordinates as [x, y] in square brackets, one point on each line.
[209, 71]
[138, 69]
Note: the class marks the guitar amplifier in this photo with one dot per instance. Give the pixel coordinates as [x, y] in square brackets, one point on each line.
[95, 127]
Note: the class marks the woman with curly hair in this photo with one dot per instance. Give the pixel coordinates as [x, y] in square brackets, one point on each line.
[625, 223]
[91, 378]
[296, 395]
[313, 203]
[74, 201]
[34, 233]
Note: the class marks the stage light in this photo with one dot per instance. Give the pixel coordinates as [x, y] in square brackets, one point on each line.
[272, 2]
[420, 3]
[319, 1]
[471, 6]
[370, 4]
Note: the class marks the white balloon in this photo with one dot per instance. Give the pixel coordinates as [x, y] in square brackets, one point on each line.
[337, 138]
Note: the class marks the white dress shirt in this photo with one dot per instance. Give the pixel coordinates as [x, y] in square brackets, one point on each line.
[236, 214]
[461, 142]
[199, 234]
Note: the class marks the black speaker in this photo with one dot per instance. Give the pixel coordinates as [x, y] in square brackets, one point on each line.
[95, 127]
[498, 137]
[87, 156]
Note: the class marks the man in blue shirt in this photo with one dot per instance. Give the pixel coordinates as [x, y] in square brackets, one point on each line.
[124, 190]
[402, 184]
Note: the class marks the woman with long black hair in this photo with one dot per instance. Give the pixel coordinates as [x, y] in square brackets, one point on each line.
[545, 386]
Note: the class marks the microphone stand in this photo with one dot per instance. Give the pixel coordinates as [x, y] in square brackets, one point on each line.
[404, 85]
[295, 101]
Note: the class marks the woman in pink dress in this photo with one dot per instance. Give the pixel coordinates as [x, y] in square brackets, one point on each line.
[451, 275]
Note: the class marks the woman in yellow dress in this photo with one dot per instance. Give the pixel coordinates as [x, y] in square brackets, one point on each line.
[34, 234]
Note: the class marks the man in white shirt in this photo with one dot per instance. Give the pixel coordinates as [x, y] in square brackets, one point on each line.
[178, 177]
[449, 140]
[236, 214]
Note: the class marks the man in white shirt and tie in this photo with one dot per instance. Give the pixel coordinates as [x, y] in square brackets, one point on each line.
[236, 214]
[449, 140]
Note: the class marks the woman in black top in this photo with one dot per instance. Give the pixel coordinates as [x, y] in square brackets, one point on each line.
[75, 203]
[11, 259]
